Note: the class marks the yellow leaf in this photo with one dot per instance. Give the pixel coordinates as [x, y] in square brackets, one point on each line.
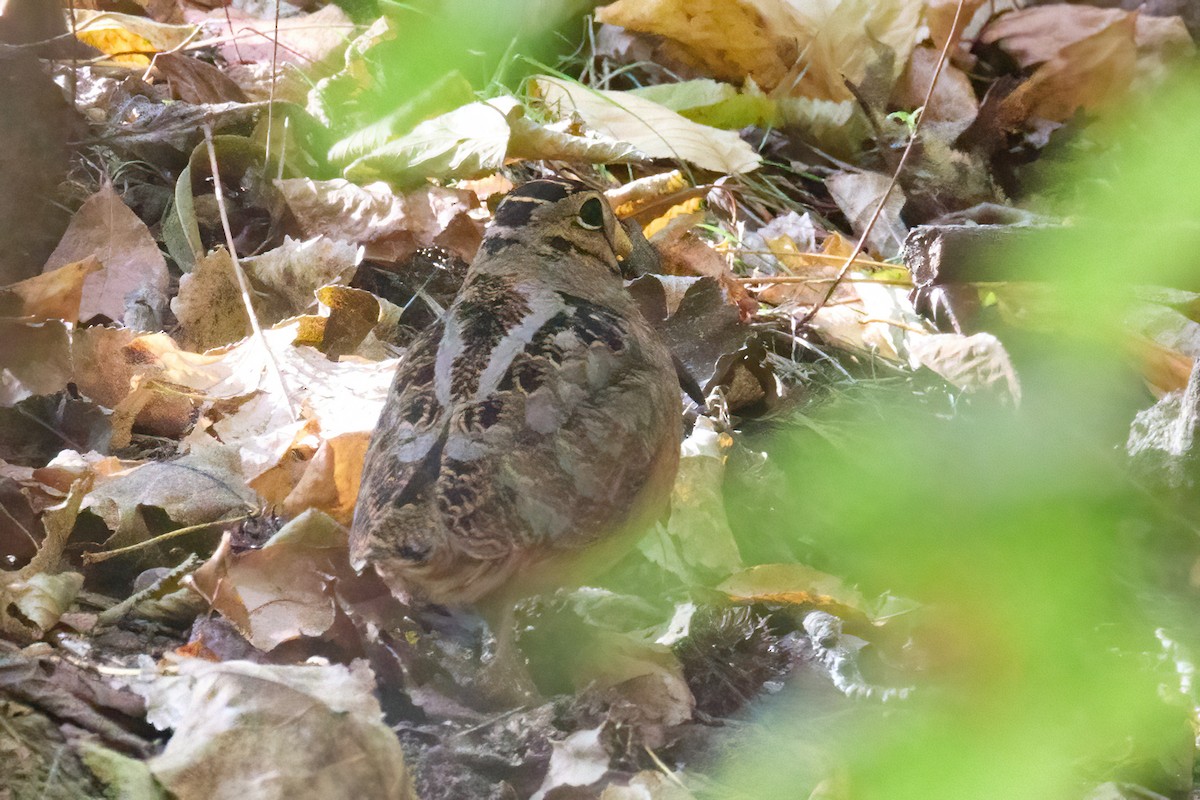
[129, 39]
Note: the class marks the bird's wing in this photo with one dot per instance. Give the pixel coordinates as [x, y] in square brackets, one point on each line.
[563, 434]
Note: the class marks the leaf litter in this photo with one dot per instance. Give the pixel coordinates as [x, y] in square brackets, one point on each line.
[150, 433]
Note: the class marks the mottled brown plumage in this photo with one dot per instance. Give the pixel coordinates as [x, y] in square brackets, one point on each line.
[531, 432]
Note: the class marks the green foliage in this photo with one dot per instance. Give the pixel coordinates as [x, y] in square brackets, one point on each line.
[478, 39]
[1016, 530]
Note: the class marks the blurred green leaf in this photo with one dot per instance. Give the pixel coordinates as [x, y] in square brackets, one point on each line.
[1016, 531]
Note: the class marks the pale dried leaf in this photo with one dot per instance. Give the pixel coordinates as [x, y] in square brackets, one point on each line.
[857, 195]
[209, 304]
[34, 597]
[653, 129]
[557, 142]
[51, 295]
[302, 40]
[1089, 73]
[578, 760]
[291, 273]
[35, 359]
[800, 48]
[281, 591]
[39, 600]
[648, 785]
[390, 226]
[104, 227]
[204, 486]
[319, 728]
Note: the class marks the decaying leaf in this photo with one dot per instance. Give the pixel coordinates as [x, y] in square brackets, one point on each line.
[1088, 73]
[857, 195]
[33, 598]
[106, 229]
[246, 409]
[292, 273]
[803, 48]
[283, 590]
[1085, 57]
[209, 304]
[51, 295]
[653, 129]
[287, 731]
[578, 760]
[390, 226]
[302, 40]
[953, 106]
[196, 81]
[940, 15]
[128, 39]
[203, 486]
[35, 359]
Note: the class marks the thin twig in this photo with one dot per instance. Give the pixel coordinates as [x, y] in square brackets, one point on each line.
[92, 558]
[239, 273]
[912, 140]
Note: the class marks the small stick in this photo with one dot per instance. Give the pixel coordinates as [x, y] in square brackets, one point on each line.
[240, 274]
[912, 140]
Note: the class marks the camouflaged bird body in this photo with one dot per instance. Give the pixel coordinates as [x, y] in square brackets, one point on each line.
[539, 418]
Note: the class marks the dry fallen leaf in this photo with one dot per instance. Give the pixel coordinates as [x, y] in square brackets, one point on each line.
[953, 106]
[35, 359]
[34, 597]
[196, 81]
[204, 486]
[939, 16]
[319, 728]
[105, 228]
[1085, 57]
[789, 47]
[209, 304]
[857, 195]
[390, 226]
[51, 295]
[128, 39]
[303, 40]
[281, 591]
[651, 128]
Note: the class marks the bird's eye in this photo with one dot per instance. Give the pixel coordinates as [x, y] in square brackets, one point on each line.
[591, 214]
